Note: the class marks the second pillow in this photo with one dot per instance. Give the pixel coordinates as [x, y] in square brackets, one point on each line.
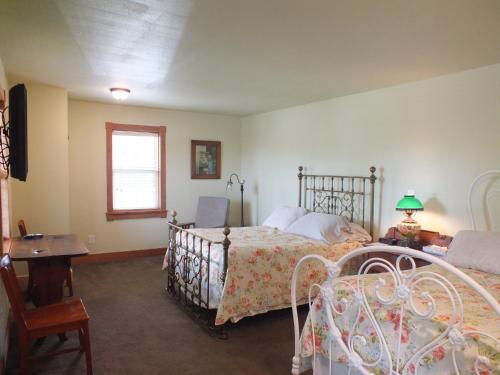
[318, 226]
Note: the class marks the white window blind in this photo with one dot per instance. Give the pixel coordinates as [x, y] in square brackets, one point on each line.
[136, 170]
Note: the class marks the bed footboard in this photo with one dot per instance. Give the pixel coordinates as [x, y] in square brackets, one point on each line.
[189, 261]
[397, 322]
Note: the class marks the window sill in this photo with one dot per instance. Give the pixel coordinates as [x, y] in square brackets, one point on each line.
[134, 214]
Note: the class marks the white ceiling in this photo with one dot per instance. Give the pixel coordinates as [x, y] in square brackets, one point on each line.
[242, 56]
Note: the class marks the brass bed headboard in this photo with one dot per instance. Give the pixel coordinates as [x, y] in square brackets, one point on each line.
[340, 195]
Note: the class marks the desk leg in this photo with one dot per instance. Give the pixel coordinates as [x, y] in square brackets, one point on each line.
[30, 291]
[48, 277]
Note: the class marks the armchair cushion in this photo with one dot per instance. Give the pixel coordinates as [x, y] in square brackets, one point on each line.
[212, 212]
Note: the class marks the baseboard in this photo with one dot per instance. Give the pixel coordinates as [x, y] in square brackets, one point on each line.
[23, 281]
[118, 256]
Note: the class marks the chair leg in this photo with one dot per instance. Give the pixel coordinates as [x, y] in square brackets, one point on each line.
[30, 281]
[69, 281]
[85, 337]
[25, 353]
[62, 337]
[80, 338]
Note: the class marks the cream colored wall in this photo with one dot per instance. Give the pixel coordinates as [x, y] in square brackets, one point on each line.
[87, 160]
[433, 136]
[43, 200]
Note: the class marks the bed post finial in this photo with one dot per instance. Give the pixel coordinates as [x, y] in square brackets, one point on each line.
[225, 244]
[296, 365]
[373, 178]
[174, 220]
[226, 232]
[300, 175]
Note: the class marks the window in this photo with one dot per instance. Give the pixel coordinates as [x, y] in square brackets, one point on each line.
[135, 171]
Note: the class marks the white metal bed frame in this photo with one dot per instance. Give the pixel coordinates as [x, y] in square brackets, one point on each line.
[404, 285]
[488, 197]
[403, 296]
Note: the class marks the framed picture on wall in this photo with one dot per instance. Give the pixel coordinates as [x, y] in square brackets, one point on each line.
[205, 159]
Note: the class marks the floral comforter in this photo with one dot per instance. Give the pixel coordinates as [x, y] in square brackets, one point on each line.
[415, 331]
[260, 267]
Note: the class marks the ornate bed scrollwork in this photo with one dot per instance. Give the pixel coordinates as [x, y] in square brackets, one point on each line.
[350, 196]
[188, 269]
[411, 297]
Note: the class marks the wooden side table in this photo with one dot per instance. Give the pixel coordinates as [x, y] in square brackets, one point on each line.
[394, 238]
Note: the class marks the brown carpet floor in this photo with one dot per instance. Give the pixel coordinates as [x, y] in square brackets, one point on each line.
[136, 328]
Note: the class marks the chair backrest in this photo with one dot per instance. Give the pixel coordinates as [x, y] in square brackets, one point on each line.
[22, 228]
[212, 212]
[12, 288]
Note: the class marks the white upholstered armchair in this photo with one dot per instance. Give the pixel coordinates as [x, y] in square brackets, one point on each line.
[212, 212]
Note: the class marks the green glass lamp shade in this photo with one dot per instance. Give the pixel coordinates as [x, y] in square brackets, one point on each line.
[409, 227]
[409, 203]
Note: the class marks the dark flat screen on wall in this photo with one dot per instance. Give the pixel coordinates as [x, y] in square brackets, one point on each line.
[18, 132]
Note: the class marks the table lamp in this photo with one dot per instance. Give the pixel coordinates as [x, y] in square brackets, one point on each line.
[409, 227]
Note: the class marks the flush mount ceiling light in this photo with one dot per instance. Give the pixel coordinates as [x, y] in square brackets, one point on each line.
[119, 93]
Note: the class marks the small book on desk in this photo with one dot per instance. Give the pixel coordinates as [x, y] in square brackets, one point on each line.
[435, 250]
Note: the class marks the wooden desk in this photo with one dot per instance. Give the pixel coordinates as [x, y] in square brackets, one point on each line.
[49, 260]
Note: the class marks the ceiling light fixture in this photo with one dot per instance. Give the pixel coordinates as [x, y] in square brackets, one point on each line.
[119, 93]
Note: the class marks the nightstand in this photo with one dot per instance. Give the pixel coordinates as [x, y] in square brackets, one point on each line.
[394, 238]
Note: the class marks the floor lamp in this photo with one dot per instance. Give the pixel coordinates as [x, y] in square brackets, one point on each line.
[229, 186]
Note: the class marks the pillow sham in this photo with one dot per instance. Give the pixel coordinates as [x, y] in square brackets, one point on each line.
[477, 250]
[283, 216]
[322, 227]
[356, 233]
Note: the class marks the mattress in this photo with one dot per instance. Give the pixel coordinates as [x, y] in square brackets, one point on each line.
[260, 267]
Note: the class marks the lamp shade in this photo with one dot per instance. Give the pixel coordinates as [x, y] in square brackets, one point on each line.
[119, 93]
[409, 202]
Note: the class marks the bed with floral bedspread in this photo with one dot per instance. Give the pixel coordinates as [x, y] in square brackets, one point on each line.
[415, 331]
[260, 266]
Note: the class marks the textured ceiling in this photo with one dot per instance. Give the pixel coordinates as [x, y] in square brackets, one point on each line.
[242, 56]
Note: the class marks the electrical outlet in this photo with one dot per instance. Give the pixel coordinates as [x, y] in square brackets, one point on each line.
[91, 239]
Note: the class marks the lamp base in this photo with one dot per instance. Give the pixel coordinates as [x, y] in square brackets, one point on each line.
[409, 229]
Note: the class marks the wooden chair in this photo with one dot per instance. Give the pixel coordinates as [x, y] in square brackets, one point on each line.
[69, 278]
[48, 320]
[22, 228]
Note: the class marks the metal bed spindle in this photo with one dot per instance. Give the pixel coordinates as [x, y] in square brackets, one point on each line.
[339, 195]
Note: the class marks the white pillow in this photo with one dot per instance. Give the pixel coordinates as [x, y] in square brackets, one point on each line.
[321, 227]
[282, 217]
[476, 250]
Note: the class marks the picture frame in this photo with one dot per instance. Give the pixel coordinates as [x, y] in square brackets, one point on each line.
[205, 159]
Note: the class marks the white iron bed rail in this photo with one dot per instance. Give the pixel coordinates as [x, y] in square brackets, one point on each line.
[489, 195]
[405, 286]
